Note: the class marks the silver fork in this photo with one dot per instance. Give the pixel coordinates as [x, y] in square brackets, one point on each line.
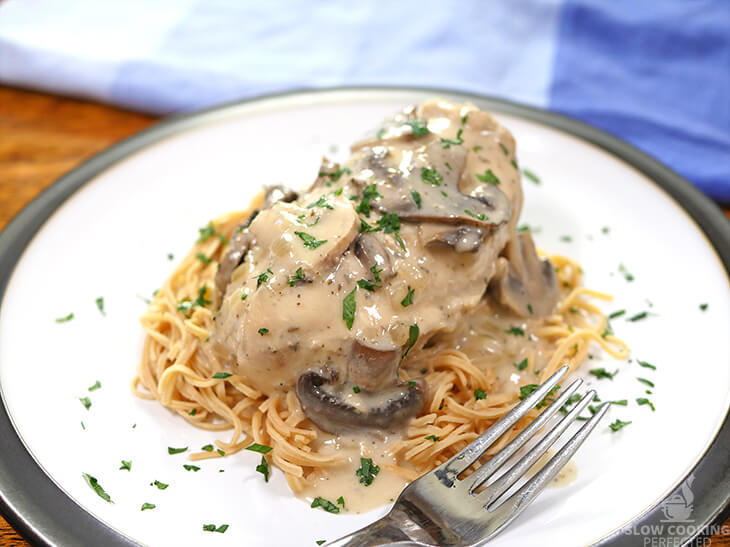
[439, 508]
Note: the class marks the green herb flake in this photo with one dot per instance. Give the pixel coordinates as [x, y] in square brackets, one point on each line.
[321, 541]
[446, 143]
[433, 438]
[647, 382]
[86, 402]
[480, 394]
[260, 448]
[96, 487]
[100, 305]
[627, 275]
[489, 177]
[262, 331]
[526, 390]
[376, 273]
[207, 448]
[341, 501]
[193, 412]
[479, 216]
[263, 468]
[171, 450]
[264, 277]
[522, 365]
[170, 256]
[189, 467]
[601, 373]
[324, 504]
[477, 148]
[548, 397]
[416, 198]
[159, 485]
[390, 224]
[220, 452]
[367, 285]
[356, 389]
[530, 175]
[65, 319]
[645, 364]
[571, 401]
[97, 385]
[411, 383]
[297, 277]
[348, 308]
[367, 471]
[566, 239]
[321, 202]
[703, 307]
[616, 314]
[126, 465]
[504, 149]
[212, 528]
[369, 193]
[638, 317]
[204, 259]
[430, 175]
[206, 232]
[618, 424]
[146, 506]
[515, 331]
[413, 332]
[221, 375]
[645, 401]
[418, 125]
[408, 298]
[310, 242]
[622, 402]
[464, 118]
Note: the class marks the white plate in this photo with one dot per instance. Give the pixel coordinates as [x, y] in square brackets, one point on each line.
[112, 237]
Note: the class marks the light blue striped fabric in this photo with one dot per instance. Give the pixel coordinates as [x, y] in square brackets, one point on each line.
[654, 73]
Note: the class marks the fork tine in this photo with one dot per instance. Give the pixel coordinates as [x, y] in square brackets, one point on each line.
[486, 470]
[518, 501]
[501, 485]
[448, 472]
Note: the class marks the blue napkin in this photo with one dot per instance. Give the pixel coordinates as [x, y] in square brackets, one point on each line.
[656, 74]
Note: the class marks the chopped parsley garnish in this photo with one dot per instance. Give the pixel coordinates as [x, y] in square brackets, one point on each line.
[464, 118]
[348, 308]
[433, 438]
[83, 426]
[480, 216]
[365, 227]
[296, 278]
[390, 224]
[160, 485]
[703, 307]
[321, 541]
[96, 487]
[647, 382]
[418, 125]
[126, 465]
[336, 175]
[222, 375]
[489, 177]
[341, 501]
[367, 285]
[477, 148]
[522, 365]
[566, 239]
[523, 228]
[310, 242]
[367, 471]
[207, 448]
[204, 259]
[645, 364]
[171, 450]
[525, 391]
[605, 230]
[100, 305]
[571, 401]
[603, 373]
[411, 383]
[622, 402]
[515, 331]
[369, 194]
[356, 389]
[86, 402]
[417, 200]
[186, 305]
[446, 143]
[548, 397]
[263, 331]
[321, 202]
[206, 232]
[504, 149]
[147, 506]
[618, 424]
[480, 394]
[408, 298]
[627, 274]
[325, 504]
[413, 332]
[260, 448]
[263, 468]
[170, 256]
[376, 273]
[431, 176]
[97, 385]
[529, 308]
[616, 314]
[530, 175]
[645, 401]
[514, 164]
[65, 319]
[211, 528]
[638, 316]
[189, 467]
[263, 277]
[193, 412]
[220, 452]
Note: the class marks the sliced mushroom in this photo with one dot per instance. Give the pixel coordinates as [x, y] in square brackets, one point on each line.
[523, 282]
[463, 239]
[387, 409]
[372, 366]
[370, 251]
[278, 193]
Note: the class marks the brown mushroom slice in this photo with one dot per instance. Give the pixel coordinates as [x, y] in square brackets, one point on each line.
[372, 366]
[463, 239]
[370, 251]
[524, 283]
[386, 409]
[278, 193]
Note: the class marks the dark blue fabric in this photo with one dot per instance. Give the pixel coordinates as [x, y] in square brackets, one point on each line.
[655, 73]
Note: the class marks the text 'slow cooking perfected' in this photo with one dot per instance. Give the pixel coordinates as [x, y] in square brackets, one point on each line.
[364, 330]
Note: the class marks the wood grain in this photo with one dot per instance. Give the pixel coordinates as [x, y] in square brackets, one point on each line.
[44, 136]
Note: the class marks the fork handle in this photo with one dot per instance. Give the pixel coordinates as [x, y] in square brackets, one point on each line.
[381, 532]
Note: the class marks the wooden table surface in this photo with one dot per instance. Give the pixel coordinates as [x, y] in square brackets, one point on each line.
[44, 136]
